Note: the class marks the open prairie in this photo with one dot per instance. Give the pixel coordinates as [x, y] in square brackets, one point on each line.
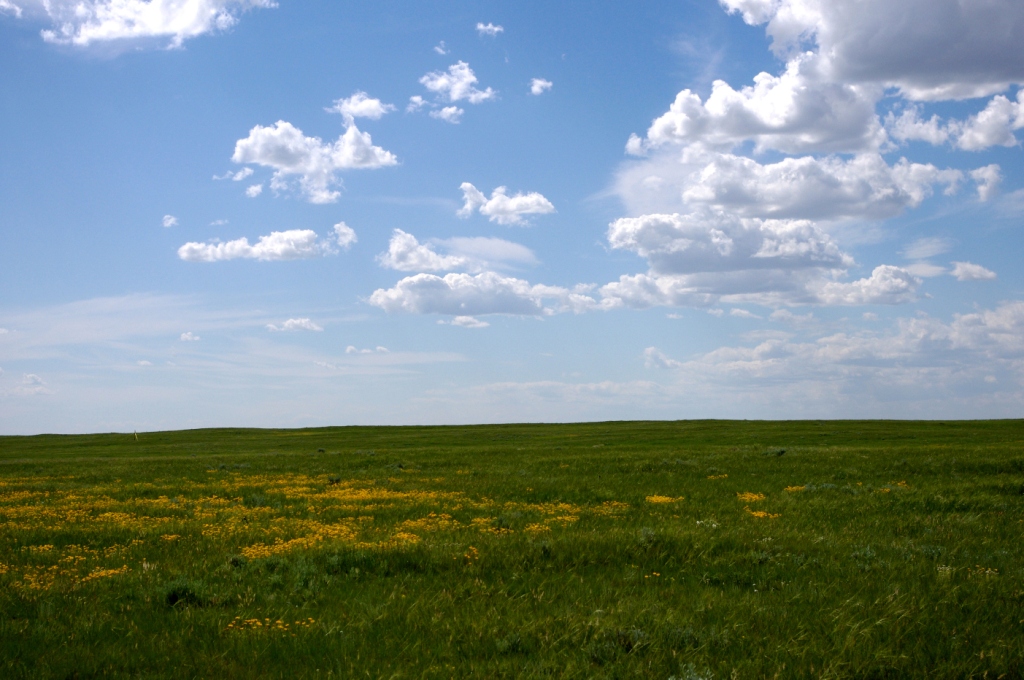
[630, 549]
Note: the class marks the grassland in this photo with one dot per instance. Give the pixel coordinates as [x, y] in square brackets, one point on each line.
[656, 550]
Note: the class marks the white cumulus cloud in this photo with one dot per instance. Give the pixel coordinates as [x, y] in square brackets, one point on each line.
[988, 180]
[712, 242]
[289, 152]
[361, 105]
[189, 336]
[457, 84]
[930, 49]
[441, 48]
[344, 235]
[909, 126]
[293, 244]
[703, 258]
[83, 22]
[502, 208]
[473, 295]
[169, 221]
[467, 322]
[806, 187]
[254, 190]
[887, 285]
[302, 324]
[968, 271]
[798, 112]
[405, 253]
[539, 86]
[994, 125]
[416, 102]
[449, 114]
[489, 29]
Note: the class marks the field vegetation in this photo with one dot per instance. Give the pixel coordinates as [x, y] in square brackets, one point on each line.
[650, 549]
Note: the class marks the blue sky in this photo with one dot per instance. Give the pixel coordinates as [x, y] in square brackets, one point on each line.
[249, 213]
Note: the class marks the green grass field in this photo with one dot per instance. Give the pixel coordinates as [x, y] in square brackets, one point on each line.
[652, 549]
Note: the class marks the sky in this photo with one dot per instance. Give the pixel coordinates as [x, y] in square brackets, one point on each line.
[288, 214]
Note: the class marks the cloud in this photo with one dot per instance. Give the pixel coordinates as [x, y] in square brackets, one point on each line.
[295, 325]
[457, 84]
[83, 22]
[921, 250]
[481, 252]
[743, 314]
[655, 358]
[416, 103]
[293, 244]
[968, 271]
[640, 291]
[807, 187]
[235, 176]
[8, 7]
[714, 242]
[917, 361]
[360, 105]
[929, 49]
[539, 86]
[190, 337]
[994, 125]
[988, 180]
[405, 253]
[475, 254]
[143, 362]
[502, 208]
[930, 246]
[352, 349]
[441, 48]
[284, 148]
[170, 221]
[31, 384]
[4, 331]
[489, 29]
[254, 190]
[797, 112]
[218, 223]
[466, 322]
[887, 285]
[925, 270]
[449, 114]
[909, 126]
[474, 295]
[705, 257]
[344, 235]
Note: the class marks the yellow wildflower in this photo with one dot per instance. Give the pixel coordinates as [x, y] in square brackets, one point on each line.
[664, 499]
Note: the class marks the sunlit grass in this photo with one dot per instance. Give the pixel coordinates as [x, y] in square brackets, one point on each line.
[603, 550]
